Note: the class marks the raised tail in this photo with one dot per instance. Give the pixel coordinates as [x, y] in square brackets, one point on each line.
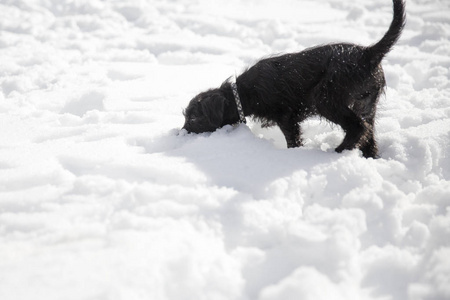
[379, 50]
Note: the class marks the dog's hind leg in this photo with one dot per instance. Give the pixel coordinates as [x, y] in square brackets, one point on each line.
[365, 108]
[368, 145]
[353, 125]
[354, 129]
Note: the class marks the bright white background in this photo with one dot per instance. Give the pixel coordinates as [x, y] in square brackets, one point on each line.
[100, 199]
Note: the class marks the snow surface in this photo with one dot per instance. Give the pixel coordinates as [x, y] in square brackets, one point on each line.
[102, 198]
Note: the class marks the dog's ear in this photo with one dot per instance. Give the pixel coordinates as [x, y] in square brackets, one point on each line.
[213, 108]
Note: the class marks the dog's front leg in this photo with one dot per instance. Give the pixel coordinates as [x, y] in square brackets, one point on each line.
[291, 130]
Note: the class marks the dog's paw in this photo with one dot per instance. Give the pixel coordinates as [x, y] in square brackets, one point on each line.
[340, 149]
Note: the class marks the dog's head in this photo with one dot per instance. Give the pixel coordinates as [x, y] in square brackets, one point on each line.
[205, 112]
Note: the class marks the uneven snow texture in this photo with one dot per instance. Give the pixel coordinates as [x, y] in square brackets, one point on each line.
[101, 198]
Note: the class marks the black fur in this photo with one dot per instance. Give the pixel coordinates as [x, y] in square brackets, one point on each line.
[340, 82]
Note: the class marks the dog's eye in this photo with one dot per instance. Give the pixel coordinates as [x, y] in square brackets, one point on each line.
[192, 118]
[365, 95]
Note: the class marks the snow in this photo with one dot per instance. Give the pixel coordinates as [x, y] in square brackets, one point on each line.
[102, 196]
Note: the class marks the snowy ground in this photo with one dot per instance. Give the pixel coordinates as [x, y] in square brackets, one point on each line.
[101, 199]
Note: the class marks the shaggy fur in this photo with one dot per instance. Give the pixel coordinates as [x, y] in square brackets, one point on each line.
[340, 82]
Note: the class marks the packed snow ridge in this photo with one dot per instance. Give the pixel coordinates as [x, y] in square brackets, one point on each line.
[102, 198]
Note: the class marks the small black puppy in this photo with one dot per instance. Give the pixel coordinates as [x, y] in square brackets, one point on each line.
[340, 82]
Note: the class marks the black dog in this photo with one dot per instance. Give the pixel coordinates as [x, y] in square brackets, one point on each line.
[340, 82]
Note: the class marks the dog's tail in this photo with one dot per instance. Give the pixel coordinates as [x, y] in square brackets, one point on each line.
[380, 49]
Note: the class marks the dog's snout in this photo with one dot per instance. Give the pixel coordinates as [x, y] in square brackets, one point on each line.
[187, 129]
[182, 132]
